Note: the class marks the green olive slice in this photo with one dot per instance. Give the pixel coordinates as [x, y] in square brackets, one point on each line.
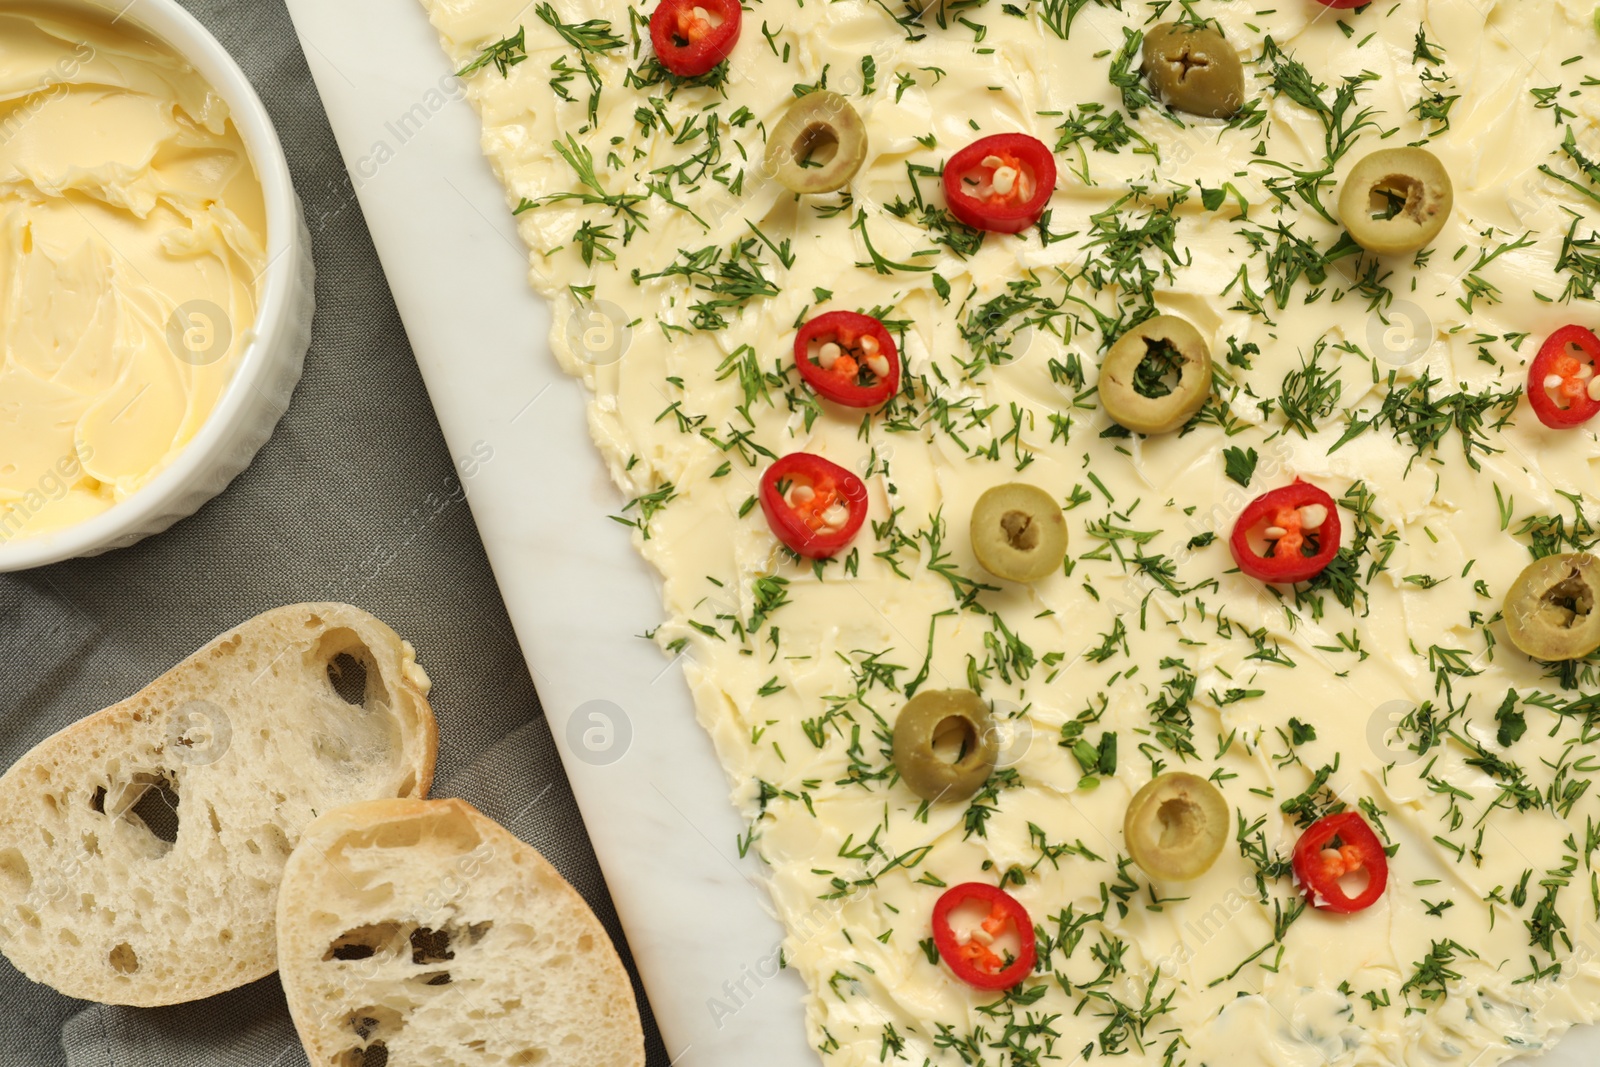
[1137, 386]
[818, 145]
[945, 744]
[1176, 826]
[1551, 611]
[1018, 532]
[1396, 200]
[1194, 70]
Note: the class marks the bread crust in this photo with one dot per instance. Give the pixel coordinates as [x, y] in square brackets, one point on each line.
[247, 740]
[378, 894]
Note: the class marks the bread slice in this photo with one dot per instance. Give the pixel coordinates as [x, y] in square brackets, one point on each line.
[141, 848]
[420, 933]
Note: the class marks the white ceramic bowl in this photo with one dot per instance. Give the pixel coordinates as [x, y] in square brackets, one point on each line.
[275, 344]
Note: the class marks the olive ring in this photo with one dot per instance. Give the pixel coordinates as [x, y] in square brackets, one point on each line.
[1396, 200]
[813, 124]
[1138, 400]
[1018, 532]
[1176, 825]
[1194, 70]
[1551, 610]
[950, 720]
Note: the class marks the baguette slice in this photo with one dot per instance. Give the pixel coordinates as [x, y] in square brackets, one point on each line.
[141, 848]
[420, 933]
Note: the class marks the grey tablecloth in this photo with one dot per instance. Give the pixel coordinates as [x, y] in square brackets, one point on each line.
[340, 505]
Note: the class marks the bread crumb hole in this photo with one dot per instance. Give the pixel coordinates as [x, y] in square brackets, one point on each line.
[123, 959]
[374, 1021]
[585, 943]
[363, 942]
[225, 936]
[70, 939]
[14, 868]
[28, 915]
[348, 676]
[277, 838]
[528, 1056]
[374, 1055]
[158, 809]
[435, 978]
[430, 946]
[97, 800]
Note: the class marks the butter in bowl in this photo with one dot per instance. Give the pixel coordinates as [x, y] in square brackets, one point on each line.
[155, 275]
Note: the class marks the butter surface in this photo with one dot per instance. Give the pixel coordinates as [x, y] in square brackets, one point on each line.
[132, 239]
[1486, 944]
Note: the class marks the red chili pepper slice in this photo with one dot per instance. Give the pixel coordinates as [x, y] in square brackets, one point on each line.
[1000, 183]
[1319, 862]
[692, 36]
[1297, 549]
[848, 358]
[802, 496]
[1559, 382]
[973, 960]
